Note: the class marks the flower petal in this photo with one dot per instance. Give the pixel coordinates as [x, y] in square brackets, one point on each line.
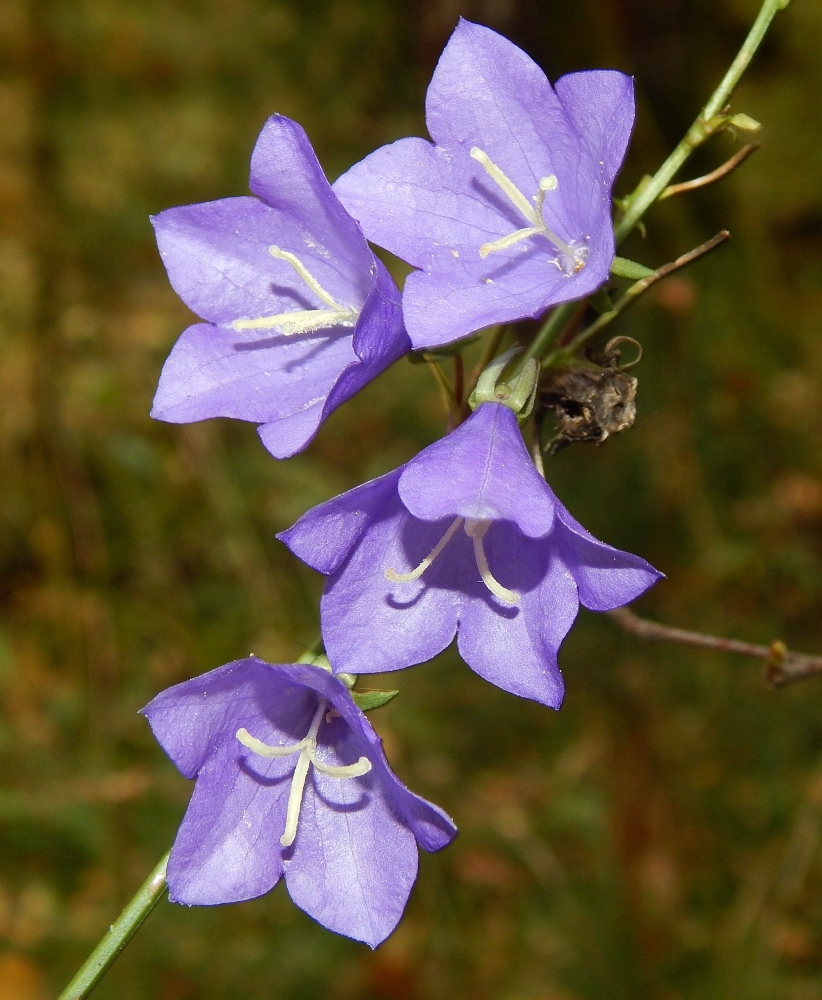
[600, 105]
[454, 298]
[354, 861]
[216, 372]
[324, 535]
[481, 470]
[515, 648]
[379, 339]
[371, 624]
[189, 719]
[286, 174]
[432, 827]
[218, 261]
[410, 198]
[606, 577]
[227, 848]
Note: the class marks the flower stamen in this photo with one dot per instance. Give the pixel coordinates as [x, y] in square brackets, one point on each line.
[533, 213]
[415, 574]
[302, 320]
[307, 749]
[475, 531]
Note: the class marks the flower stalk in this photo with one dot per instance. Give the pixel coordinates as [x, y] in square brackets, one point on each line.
[119, 934]
[649, 190]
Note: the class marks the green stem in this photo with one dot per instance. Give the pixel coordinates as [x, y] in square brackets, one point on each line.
[704, 126]
[119, 934]
[649, 190]
[548, 332]
[564, 354]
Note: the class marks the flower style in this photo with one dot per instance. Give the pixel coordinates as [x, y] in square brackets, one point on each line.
[509, 211]
[299, 313]
[466, 538]
[291, 779]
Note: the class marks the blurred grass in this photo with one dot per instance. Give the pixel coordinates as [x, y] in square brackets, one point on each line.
[659, 837]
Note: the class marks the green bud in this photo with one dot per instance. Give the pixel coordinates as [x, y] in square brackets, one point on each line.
[517, 392]
[366, 700]
[624, 268]
[745, 122]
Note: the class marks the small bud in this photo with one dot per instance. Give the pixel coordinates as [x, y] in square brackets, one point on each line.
[744, 122]
[516, 392]
[366, 700]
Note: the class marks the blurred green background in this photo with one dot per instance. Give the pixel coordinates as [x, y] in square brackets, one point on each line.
[657, 838]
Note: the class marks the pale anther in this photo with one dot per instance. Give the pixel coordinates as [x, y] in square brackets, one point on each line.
[417, 572]
[475, 529]
[302, 320]
[307, 749]
[305, 274]
[532, 213]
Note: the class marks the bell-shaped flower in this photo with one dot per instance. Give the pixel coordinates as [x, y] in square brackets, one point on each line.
[299, 313]
[465, 539]
[509, 210]
[291, 780]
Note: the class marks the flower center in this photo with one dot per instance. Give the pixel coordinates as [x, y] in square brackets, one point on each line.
[307, 749]
[302, 320]
[475, 529]
[572, 256]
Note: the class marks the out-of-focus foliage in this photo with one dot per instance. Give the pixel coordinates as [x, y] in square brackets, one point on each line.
[659, 837]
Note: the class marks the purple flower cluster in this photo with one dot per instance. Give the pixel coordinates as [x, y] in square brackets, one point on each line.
[505, 214]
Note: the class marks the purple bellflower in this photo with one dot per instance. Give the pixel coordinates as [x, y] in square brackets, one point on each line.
[291, 780]
[509, 211]
[299, 314]
[466, 538]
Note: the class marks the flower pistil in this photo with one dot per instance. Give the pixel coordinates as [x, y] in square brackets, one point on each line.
[302, 320]
[572, 255]
[307, 749]
[475, 528]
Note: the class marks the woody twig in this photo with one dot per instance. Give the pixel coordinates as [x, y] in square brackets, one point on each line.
[782, 665]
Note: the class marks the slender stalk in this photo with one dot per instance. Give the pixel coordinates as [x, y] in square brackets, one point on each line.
[119, 934]
[566, 352]
[782, 665]
[726, 168]
[548, 332]
[705, 125]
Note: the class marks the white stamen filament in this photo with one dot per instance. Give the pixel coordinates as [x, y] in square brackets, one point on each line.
[307, 749]
[475, 531]
[306, 275]
[302, 320]
[532, 214]
[415, 574]
[506, 184]
[507, 241]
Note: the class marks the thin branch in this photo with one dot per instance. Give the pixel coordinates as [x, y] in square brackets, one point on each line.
[632, 294]
[727, 167]
[491, 350]
[708, 122]
[782, 666]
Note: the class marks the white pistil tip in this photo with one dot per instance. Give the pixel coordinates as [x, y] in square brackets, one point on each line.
[548, 183]
[263, 749]
[416, 573]
[476, 529]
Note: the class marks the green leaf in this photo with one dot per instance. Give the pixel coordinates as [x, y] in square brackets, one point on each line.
[624, 268]
[366, 700]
